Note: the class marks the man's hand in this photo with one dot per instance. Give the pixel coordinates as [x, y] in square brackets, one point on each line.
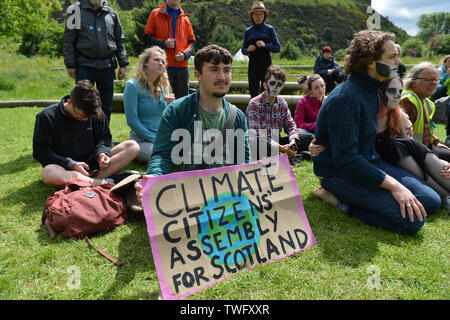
[330, 71]
[286, 149]
[103, 160]
[407, 201]
[170, 43]
[251, 48]
[441, 145]
[260, 44]
[315, 149]
[179, 56]
[82, 168]
[445, 172]
[122, 73]
[139, 188]
[72, 72]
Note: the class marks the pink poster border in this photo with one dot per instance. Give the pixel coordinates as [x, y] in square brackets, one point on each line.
[149, 216]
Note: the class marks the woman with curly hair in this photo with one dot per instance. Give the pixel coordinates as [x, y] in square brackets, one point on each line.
[376, 192]
[145, 98]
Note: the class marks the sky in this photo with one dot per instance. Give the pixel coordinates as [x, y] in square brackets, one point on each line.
[405, 14]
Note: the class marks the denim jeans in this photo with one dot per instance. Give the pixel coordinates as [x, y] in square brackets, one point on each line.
[376, 206]
[104, 79]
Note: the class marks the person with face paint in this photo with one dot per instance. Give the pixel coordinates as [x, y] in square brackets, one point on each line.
[93, 48]
[395, 145]
[267, 115]
[420, 84]
[308, 106]
[260, 39]
[368, 188]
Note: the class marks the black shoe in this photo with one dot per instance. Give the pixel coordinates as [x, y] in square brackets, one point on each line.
[305, 155]
[295, 162]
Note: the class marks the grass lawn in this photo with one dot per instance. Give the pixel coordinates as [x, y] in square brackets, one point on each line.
[345, 264]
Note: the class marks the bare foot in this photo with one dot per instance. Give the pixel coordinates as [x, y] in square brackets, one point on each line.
[325, 196]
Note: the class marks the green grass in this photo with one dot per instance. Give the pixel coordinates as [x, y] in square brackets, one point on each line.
[32, 266]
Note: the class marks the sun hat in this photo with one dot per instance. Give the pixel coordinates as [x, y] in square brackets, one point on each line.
[258, 6]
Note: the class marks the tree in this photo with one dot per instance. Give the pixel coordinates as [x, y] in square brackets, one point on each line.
[328, 34]
[290, 51]
[204, 24]
[224, 37]
[443, 44]
[18, 16]
[433, 23]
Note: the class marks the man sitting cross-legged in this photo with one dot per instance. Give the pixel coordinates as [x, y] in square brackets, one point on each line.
[267, 115]
[72, 140]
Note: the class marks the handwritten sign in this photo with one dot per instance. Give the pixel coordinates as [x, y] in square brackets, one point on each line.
[206, 225]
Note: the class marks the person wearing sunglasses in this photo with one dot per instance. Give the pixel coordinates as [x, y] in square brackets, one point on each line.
[267, 115]
[420, 84]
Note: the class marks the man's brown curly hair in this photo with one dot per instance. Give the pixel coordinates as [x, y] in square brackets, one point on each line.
[365, 48]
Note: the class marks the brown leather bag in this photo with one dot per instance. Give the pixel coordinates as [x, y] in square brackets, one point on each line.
[82, 209]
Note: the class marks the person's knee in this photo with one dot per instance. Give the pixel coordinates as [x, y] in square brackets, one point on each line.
[52, 175]
[132, 148]
[412, 228]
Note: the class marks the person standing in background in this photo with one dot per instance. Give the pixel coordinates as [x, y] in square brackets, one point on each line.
[92, 47]
[169, 27]
[260, 39]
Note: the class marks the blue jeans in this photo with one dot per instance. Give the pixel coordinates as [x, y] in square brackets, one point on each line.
[104, 79]
[376, 206]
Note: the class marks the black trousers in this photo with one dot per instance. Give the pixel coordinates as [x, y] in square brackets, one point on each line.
[179, 81]
[260, 151]
[256, 73]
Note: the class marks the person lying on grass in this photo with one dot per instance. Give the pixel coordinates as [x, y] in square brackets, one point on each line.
[72, 140]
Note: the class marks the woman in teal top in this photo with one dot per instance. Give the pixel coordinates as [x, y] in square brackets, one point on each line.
[145, 97]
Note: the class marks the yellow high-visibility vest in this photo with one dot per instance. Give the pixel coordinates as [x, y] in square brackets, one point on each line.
[429, 107]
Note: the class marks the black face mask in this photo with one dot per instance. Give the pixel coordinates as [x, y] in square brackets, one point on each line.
[391, 72]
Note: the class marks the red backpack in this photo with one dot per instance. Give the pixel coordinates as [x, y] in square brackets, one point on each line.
[82, 209]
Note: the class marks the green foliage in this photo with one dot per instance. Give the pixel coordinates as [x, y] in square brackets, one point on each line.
[413, 47]
[290, 51]
[6, 84]
[328, 34]
[204, 24]
[340, 54]
[442, 46]
[223, 36]
[433, 24]
[48, 42]
[134, 31]
[18, 16]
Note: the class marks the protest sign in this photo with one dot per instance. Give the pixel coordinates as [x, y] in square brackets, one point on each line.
[206, 225]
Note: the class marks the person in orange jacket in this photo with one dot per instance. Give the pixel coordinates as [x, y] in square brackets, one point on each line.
[169, 28]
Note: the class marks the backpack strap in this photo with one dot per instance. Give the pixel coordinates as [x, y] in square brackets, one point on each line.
[230, 121]
[107, 256]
